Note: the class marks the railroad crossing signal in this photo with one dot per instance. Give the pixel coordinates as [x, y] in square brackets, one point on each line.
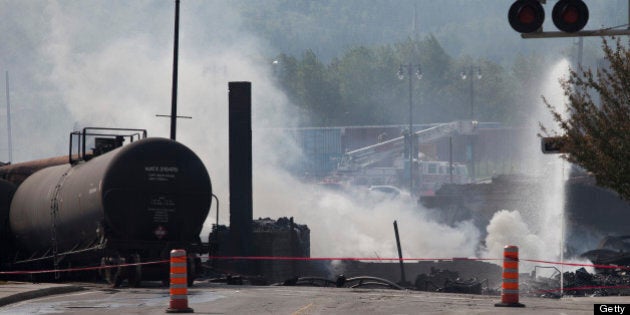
[569, 16]
[527, 16]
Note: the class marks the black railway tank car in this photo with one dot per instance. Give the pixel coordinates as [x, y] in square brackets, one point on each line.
[7, 190]
[133, 203]
[17, 173]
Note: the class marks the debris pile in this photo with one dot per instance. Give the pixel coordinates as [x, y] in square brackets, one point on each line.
[578, 283]
[612, 250]
[270, 238]
[440, 280]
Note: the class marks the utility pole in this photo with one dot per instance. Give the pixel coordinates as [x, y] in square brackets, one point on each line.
[174, 90]
[401, 76]
[10, 144]
[469, 74]
[173, 115]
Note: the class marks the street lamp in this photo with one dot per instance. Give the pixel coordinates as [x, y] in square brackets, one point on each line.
[470, 75]
[401, 75]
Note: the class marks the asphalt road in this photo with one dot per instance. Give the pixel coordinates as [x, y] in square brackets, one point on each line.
[207, 298]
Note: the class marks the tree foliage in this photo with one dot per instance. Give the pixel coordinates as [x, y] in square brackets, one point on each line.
[361, 86]
[597, 122]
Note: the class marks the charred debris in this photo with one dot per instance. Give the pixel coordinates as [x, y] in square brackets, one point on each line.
[579, 283]
[285, 238]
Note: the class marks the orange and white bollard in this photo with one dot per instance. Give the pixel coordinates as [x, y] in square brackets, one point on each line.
[179, 283]
[509, 288]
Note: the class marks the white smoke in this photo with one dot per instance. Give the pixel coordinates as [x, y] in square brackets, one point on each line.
[539, 231]
[119, 75]
[360, 224]
[110, 64]
[509, 228]
[125, 79]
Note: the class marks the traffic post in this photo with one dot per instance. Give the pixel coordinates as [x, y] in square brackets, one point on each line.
[509, 287]
[178, 283]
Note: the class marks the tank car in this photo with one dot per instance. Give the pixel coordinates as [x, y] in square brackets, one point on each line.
[17, 173]
[7, 190]
[113, 204]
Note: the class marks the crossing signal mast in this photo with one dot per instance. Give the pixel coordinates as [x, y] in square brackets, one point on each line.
[569, 16]
[552, 145]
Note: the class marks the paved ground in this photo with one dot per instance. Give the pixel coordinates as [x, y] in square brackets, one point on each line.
[13, 292]
[206, 298]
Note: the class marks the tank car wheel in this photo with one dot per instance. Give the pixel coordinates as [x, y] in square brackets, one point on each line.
[193, 265]
[166, 282]
[134, 272]
[114, 275]
[191, 271]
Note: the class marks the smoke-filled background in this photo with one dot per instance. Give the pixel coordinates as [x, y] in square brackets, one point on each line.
[74, 64]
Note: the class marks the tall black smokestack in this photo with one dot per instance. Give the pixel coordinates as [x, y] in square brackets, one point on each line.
[241, 200]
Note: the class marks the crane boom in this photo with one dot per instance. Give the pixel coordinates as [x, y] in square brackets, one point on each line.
[369, 155]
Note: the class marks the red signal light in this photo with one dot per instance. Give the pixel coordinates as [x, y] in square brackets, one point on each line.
[570, 15]
[526, 16]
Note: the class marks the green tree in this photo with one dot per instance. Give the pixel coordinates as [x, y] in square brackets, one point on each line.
[361, 87]
[318, 94]
[367, 85]
[597, 125]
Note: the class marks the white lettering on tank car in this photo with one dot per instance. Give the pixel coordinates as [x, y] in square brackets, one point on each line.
[161, 173]
[161, 206]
